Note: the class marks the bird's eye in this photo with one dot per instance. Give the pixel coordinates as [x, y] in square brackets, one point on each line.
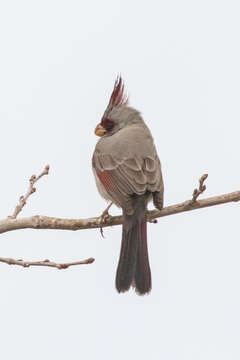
[108, 124]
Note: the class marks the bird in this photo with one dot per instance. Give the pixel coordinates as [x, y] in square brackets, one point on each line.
[127, 172]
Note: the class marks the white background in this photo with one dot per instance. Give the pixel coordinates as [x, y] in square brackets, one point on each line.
[180, 62]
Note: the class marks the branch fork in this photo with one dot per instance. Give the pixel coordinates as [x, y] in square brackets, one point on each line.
[22, 202]
[31, 189]
[202, 187]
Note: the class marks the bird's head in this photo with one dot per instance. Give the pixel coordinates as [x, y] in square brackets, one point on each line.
[117, 114]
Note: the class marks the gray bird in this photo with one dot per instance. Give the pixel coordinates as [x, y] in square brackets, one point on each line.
[128, 173]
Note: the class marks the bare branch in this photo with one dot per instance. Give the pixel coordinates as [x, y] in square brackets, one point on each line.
[31, 189]
[46, 262]
[45, 222]
[200, 189]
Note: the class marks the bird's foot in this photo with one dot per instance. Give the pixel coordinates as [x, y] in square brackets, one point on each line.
[104, 217]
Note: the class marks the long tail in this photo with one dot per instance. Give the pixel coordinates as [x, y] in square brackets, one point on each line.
[133, 267]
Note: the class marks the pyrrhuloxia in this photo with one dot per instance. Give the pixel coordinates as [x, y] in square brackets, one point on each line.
[128, 173]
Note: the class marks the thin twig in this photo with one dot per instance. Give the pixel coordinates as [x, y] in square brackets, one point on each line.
[200, 189]
[46, 262]
[31, 189]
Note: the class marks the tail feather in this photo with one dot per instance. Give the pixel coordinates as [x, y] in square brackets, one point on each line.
[143, 281]
[133, 267]
[128, 257]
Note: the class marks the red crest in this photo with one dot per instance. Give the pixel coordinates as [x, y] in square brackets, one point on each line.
[118, 97]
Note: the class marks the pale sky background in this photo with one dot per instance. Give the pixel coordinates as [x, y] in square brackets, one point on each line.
[180, 62]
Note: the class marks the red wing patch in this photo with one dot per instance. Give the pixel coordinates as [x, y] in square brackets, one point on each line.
[105, 178]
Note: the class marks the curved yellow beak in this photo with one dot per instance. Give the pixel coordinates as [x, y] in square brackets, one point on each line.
[100, 131]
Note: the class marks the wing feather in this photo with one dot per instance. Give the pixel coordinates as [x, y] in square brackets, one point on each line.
[121, 179]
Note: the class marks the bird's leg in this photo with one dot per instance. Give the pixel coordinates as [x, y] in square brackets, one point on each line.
[104, 217]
